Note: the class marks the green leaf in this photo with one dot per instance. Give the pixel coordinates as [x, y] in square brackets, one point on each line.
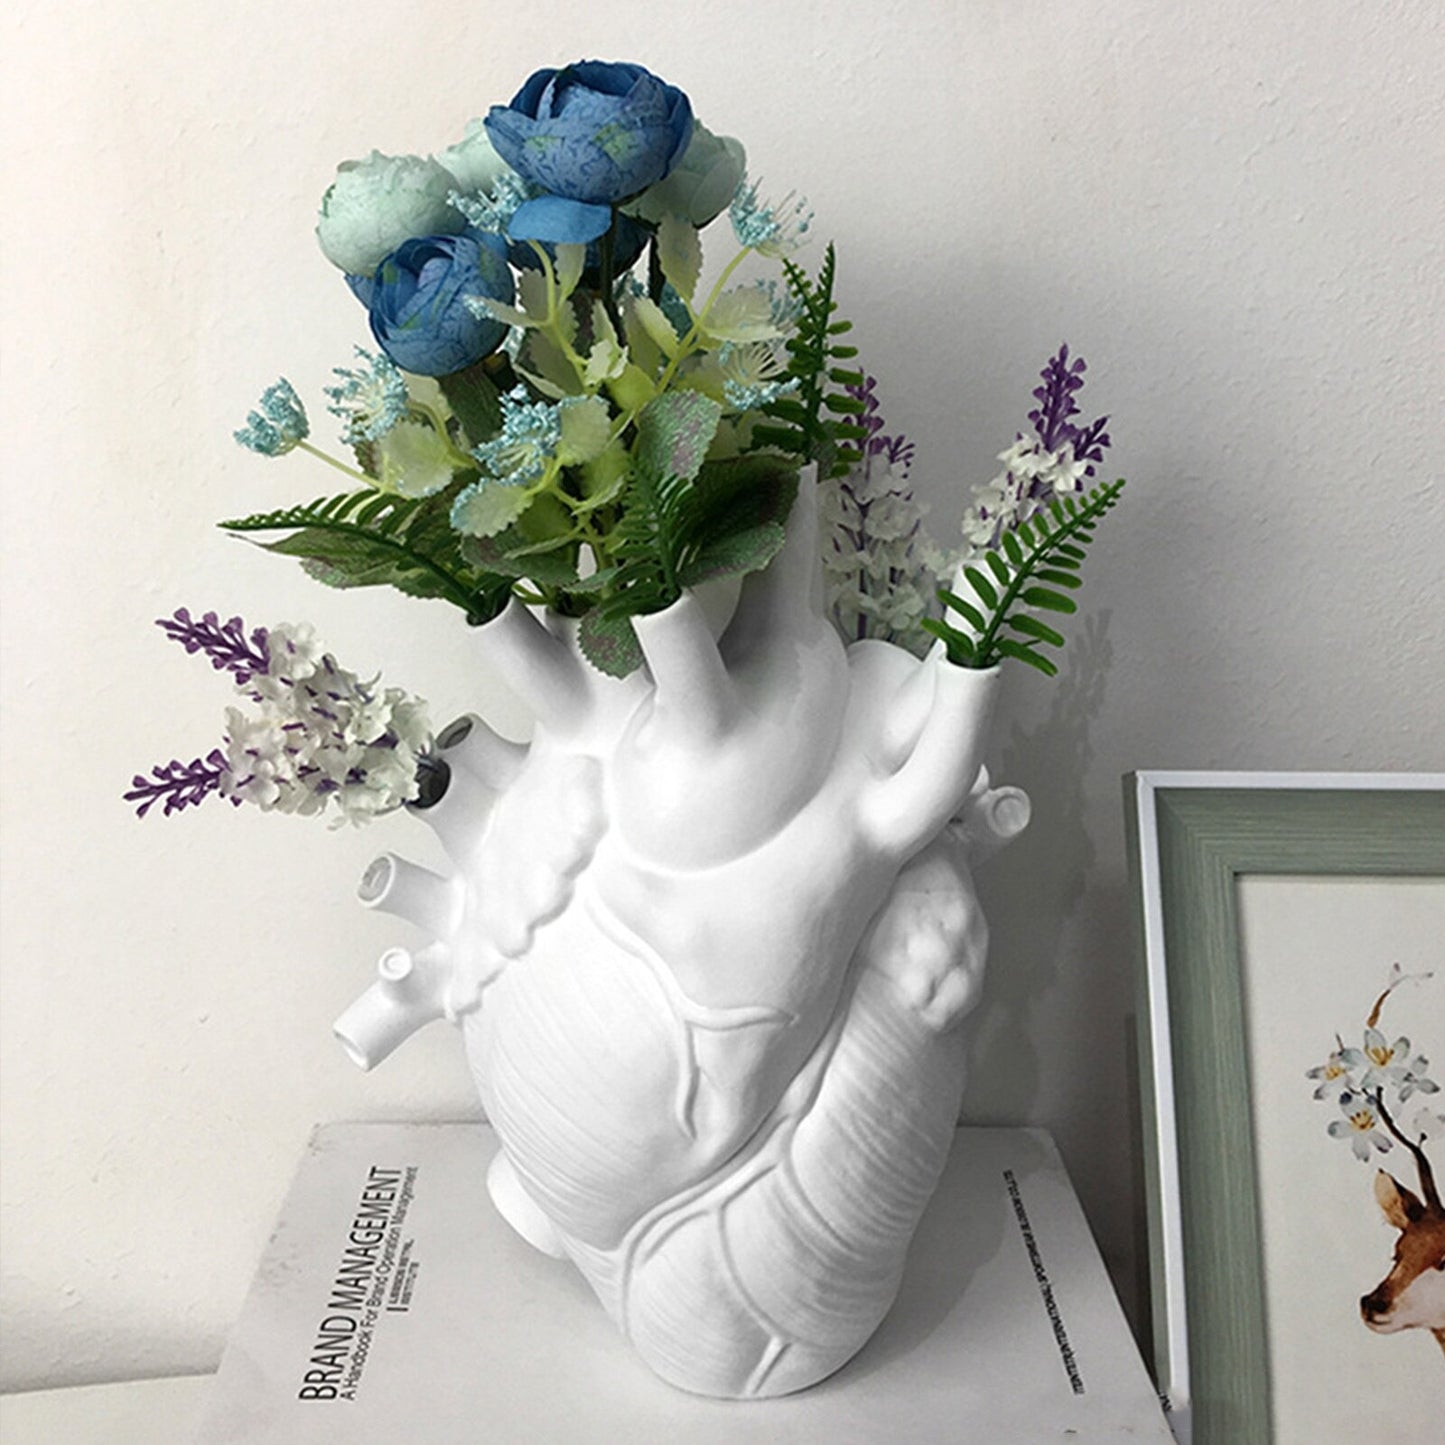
[475, 401]
[999, 568]
[735, 555]
[570, 263]
[978, 580]
[961, 651]
[370, 538]
[1007, 647]
[1047, 599]
[552, 564]
[1030, 626]
[965, 610]
[786, 439]
[1070, 580]
[674, 432]
[1012, 549]
[609, 643]
[655, 325]
[679, 251]
[488, 508]
[786, 409]
[737, 494]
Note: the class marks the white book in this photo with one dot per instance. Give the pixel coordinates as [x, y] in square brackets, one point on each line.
[393, 1302]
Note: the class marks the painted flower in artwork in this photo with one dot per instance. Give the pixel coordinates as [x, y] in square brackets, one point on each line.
[1382, 1064]
[1333, 1075]
[1362, 1126]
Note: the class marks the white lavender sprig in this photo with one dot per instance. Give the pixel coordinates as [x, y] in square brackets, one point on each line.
[881, 567]
[317, 734]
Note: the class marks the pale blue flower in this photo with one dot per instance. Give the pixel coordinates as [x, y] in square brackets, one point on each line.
[279, 425]
[473, 161]
[770, 230]
[527, 441]
[377, 203]
[370, 400]
[700, 186]
[494, 208]
[753, 375]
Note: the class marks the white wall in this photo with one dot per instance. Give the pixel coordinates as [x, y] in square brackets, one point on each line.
[1235, 212]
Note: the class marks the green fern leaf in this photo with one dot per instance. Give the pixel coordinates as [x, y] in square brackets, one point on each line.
[1007, 647]
[978, 580]
[1059, 579]
[1030, 626]
[1048, 599]
[1039, 556]
[371, 539]
[965, 610]
[961, 649]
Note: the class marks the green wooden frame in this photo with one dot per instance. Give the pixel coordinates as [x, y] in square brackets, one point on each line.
[1191, 837]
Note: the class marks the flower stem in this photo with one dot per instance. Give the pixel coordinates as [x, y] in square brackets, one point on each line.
[689, 342]
[334, 462]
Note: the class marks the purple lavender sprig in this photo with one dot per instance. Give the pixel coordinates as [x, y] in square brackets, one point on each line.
[226, 644]
[180, 785]
[897, 450]
[1051, 419]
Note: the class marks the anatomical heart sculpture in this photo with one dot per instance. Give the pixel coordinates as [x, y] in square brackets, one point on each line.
[709, 935]
[709, 939]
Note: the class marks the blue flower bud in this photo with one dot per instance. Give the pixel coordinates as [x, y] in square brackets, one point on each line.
[418, 301]
[595, 132]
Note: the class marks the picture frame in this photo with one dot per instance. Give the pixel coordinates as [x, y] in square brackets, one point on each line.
[1201, 845]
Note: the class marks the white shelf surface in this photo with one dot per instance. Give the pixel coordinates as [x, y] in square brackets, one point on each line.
[1006, 1329]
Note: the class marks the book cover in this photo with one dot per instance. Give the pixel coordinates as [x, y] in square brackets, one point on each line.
[393, 1302]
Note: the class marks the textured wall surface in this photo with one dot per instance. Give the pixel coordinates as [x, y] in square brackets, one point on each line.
[1238, 218]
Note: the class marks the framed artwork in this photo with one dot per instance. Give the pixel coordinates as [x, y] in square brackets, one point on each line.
[1292, 999]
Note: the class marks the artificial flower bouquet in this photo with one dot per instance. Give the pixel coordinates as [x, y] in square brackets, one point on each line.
[560, 408]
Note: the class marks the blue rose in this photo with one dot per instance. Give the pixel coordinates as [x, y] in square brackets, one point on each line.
[418, 301]
[589, 135]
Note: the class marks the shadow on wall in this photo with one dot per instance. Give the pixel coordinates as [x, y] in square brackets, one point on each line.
[1029, 895]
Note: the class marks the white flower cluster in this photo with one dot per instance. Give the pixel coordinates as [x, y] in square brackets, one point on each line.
[1371, 1085]
[881, 568]
[321, 735]
[1032, 476]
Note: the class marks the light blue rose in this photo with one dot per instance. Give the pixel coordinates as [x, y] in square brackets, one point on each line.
[377, 203]
[701, 185]
[589, 135]
[418, 301]
[473, 160]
